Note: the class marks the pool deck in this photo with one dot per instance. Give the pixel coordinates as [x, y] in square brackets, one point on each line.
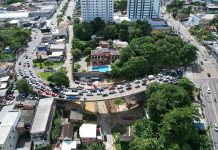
[90, 68]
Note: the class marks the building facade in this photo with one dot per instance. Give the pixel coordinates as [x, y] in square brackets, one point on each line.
[103, 57]
[8, 123]
[143, 9]
[91, 9]
[42, 124]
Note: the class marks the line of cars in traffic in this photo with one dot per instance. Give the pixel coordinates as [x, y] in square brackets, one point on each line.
[89, 89]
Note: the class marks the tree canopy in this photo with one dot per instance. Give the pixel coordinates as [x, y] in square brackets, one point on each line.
[23, 86]
[161, 51]
[170, 124]
[59, 78]
[96, 146]
[13, 37]
[83, 31]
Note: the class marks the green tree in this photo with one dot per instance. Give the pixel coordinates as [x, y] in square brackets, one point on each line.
[138, 71]
[96, 146]
[187, 85]
[76, 53]
[23, 86]
[59, 78]
[76, 67]
[92, 43]
[123, 34]
[97, 25]
[143, 128]
[110, 32]
[48, 63]
[143, 144]
[205, 142]
[118, 102]
[87, 51]
[177, 127]
[83, 31]
[110, 44]
[166, 99]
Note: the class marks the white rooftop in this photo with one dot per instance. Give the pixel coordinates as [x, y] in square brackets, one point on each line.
[57, 46]
[14, 21]
[42, 115]
[4, 111]
[14, 15]
[68, 145]
[88, 131]
[11, 118]
[4, 130]
[3, 85]
[4, 79]
[56, 54]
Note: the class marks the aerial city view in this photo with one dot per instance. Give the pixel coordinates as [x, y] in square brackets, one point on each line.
[109, 75]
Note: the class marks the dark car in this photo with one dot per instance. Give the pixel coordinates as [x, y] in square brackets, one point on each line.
[128, 88]
[208, 74]
[202, 63]
[104, 94]
[61, 96]
[105, 137]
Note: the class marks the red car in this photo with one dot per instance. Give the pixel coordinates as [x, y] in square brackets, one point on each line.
[47, 92]
[111, 88]
[89, 84]
[40, 92]
[53, 94]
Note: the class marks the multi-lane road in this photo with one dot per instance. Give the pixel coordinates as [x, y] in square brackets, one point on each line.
[199, 75]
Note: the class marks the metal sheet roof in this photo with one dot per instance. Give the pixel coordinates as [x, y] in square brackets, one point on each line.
[42, 115]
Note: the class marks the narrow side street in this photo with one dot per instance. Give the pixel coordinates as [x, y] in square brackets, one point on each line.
[69, 60]
[103, 121]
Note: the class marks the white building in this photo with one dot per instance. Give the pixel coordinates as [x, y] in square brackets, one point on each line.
[199, 19]
[8, 122]
[91, 9]
[41, 127]
[143, 9]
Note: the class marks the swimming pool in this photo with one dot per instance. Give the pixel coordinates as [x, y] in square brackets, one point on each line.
[101, 68]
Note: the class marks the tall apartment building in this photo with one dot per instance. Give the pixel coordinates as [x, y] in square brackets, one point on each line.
[91, 9]
[142, 9]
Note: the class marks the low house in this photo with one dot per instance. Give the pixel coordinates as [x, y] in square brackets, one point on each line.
[200, 19]
[67, 131]
[103, 57]
[76, 116]
[42, 124]
[15, 6]
[103, 44]
[69, 145]
[88, 133]
[4, 69]
[119, 44]
[5, 79]
[61, 33]
[57, 47]
[56, 56]
[46, 38]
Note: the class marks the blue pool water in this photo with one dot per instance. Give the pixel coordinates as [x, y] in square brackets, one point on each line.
[101, 68]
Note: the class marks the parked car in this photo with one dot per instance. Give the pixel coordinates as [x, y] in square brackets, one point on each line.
[112, 92]
[104, 94]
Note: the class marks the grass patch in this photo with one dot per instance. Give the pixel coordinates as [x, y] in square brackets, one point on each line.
[55, 65]
[44, 75]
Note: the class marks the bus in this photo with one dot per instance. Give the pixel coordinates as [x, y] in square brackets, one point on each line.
[72, 95]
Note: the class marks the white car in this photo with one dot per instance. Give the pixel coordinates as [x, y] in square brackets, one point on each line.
[89, 94]
[215, 127]
[208, 90]
[119, 86]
